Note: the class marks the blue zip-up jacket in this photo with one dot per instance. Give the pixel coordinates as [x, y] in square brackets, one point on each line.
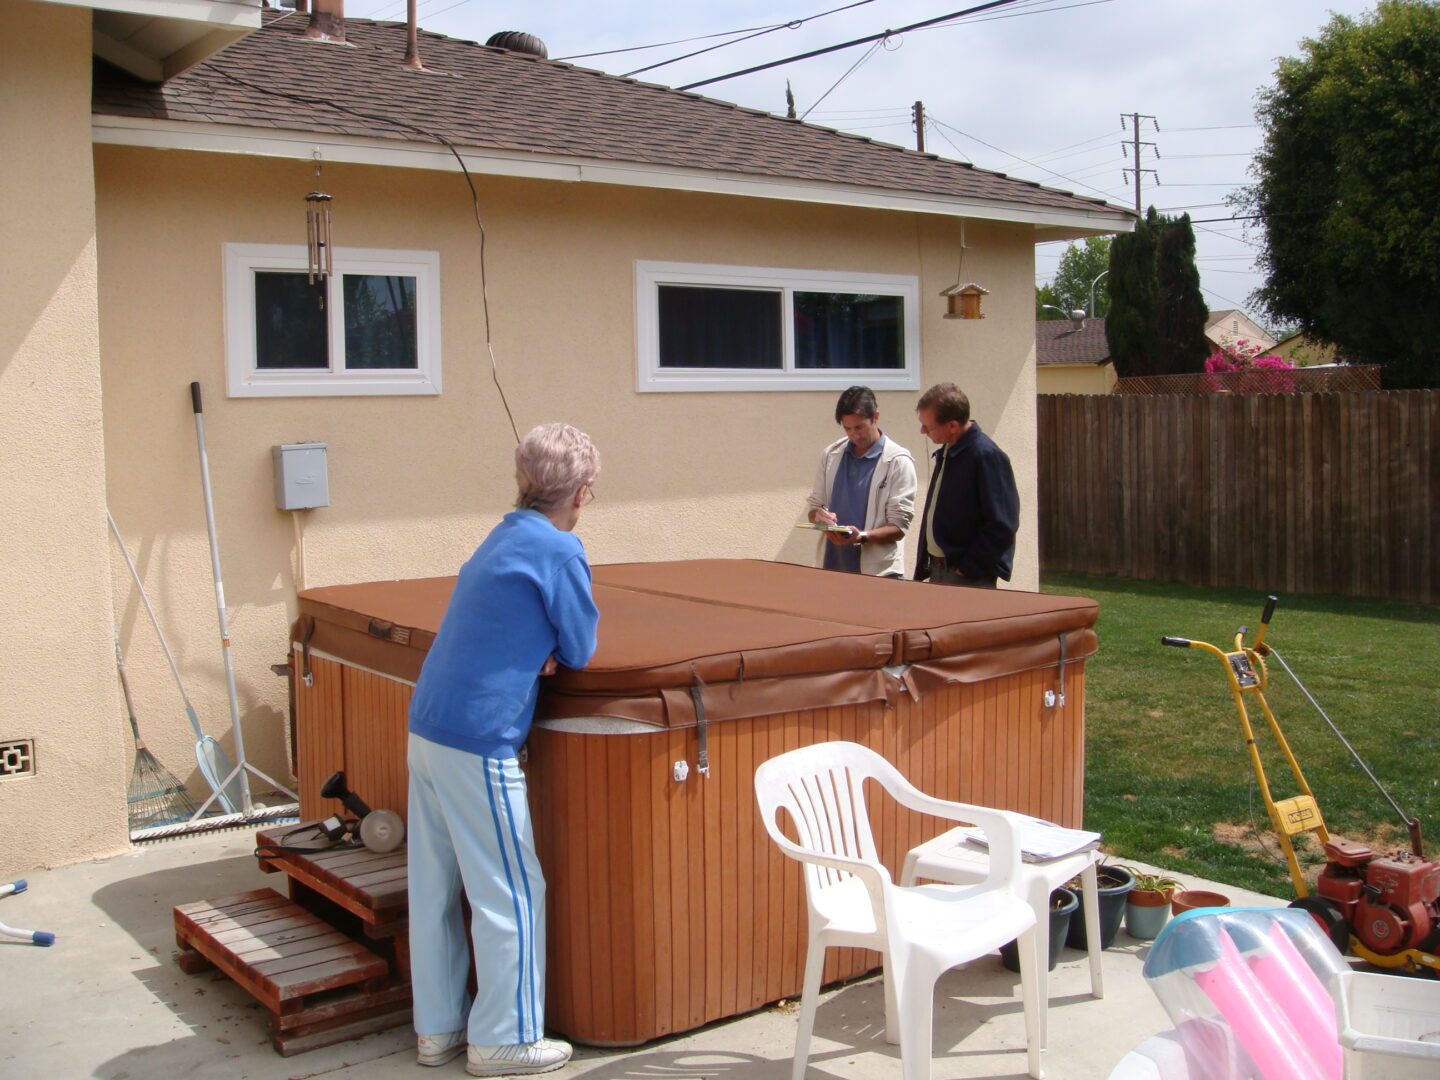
[523, 597]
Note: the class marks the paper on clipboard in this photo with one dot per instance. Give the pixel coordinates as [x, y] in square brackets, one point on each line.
[1041, 840]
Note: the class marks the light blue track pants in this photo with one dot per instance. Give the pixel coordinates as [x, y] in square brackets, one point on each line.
[470, 826]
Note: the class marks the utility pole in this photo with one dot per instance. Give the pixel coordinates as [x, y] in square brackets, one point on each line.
[919, 111]
[1135, 148]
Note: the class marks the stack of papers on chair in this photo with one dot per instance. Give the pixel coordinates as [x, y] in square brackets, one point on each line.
[1041, 840]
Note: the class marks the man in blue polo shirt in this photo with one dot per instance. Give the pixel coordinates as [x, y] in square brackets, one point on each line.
[867, 483]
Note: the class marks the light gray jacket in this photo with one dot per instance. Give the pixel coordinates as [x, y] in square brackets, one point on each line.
[892, 502]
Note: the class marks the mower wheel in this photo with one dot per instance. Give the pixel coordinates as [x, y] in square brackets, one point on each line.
[1328, 915]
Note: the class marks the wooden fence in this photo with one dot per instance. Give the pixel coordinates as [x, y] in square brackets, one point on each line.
[1297, 493]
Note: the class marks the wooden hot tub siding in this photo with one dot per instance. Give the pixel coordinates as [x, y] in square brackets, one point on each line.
[669, 907]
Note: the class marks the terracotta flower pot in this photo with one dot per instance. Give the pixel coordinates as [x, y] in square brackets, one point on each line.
[1146, 911]
[1190, 899]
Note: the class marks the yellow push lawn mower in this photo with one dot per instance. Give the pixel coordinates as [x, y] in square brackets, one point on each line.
[1384, 907]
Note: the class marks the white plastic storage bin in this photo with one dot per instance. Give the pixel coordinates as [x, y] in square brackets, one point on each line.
[1389, 1026]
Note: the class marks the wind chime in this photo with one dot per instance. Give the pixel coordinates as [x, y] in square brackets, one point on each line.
[963, 298]
[320, 257]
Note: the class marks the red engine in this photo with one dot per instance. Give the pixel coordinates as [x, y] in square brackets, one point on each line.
[1390, 902]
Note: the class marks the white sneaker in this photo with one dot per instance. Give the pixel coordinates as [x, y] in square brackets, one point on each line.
[440, 1049]
[518, 1059]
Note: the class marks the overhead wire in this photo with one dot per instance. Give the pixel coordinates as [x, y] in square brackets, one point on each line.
[866, 40]
[866, 55]
[1017, 157]
[666, 44]
[794, 24]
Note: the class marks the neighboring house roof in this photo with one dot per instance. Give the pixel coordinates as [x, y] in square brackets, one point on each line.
[1225, 313]
[1058, 342]
[493, 99]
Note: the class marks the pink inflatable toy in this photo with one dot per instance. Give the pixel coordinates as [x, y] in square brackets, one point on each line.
[1259, 1023]
[1288, 979]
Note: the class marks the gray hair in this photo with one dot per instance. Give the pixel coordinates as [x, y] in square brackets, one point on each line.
[553, 462]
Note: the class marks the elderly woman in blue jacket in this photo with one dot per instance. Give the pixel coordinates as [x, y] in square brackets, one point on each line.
[521, 606]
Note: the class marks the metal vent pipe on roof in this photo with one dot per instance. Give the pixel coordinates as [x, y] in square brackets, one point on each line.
[327, 20]
[519, 41]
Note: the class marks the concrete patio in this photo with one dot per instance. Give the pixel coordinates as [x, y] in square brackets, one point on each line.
[108, 1001]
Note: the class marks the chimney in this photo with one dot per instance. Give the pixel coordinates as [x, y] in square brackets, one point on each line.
[327, 21]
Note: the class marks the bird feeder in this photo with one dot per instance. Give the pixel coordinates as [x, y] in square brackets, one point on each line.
[964, 301]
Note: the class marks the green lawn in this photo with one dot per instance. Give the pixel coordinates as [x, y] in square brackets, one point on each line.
[1167, 777]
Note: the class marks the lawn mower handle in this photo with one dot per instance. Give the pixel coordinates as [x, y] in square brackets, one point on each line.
[1176, 642]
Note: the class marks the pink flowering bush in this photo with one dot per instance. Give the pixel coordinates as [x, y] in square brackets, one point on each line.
[1243, 356]
[1248, 371]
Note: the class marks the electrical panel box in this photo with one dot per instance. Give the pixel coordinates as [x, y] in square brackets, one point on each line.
[301, 479]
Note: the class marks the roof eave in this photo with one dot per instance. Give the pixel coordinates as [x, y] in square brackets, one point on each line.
[400, 153]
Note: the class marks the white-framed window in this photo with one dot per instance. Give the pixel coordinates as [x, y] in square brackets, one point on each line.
[740, 328]
[372, 328]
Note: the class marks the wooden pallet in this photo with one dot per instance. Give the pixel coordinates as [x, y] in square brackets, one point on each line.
[318, 985]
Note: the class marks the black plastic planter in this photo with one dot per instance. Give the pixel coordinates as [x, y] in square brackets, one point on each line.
[1112, 909]
[1063, 904]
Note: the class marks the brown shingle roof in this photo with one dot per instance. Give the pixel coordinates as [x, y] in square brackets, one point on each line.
[489, 98]
[1058, 342]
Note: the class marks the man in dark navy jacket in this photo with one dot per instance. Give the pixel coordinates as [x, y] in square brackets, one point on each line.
[972, 508]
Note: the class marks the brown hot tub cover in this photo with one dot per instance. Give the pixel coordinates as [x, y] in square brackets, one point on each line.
[744, 638]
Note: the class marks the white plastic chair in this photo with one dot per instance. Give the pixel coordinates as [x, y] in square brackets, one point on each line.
[922, 931]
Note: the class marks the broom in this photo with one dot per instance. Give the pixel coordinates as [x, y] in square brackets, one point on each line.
[155, 796]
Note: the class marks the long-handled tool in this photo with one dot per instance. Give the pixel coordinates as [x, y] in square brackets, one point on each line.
[14, 933]
[1384, 906]
[242, 766]
[210, 756]
[155, 796]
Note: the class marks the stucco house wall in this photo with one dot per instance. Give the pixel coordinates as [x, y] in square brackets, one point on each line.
[416, 482]
[1075, 378]
[57, 664]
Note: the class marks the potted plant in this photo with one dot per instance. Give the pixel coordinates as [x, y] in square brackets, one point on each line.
[1063, 903]
[1148, 904]
[1190, 899]
[1115, 883]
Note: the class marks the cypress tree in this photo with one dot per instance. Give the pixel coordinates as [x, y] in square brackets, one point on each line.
[1180, 309]
[1130, 327]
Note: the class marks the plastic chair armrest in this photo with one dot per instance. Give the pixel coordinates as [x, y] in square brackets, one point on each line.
[1001, 827]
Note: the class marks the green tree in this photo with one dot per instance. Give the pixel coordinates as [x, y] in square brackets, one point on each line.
[1131, 330]
[1347, 186]
[1045, 295]
[1079, 266]
[1180, 310]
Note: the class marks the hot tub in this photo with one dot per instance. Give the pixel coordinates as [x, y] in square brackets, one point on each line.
[669, 907]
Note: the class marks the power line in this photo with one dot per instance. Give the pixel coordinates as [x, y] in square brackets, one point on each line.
[866, 40]
[849, 71]
[1017, 157]
[1213, 127]
[665, 44]
[792, 25]
[1233, 303]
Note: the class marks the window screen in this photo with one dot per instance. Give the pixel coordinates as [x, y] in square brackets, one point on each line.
[849, 330]
[380, 330]
[291, 324]
[720, 328]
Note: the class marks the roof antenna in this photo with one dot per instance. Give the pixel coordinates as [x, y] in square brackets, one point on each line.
[412, 38]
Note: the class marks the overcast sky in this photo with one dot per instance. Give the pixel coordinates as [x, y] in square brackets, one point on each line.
[1045, 81]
